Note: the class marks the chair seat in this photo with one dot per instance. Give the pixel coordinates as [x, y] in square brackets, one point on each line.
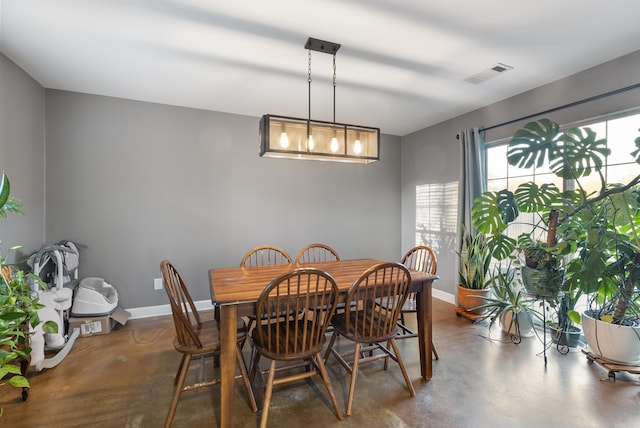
[410, 305]
[286, 347]
[375, 325]
[209, 335]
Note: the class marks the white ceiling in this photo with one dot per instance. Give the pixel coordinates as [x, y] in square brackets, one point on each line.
[401, 66]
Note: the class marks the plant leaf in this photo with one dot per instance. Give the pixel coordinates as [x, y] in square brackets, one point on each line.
[534, 145]
[574, 316]
[532, 198]
[502, 246]
[19, 382]
[12, 368]
[5, 188]
[50, 327]
[580, 153]
[492, 211]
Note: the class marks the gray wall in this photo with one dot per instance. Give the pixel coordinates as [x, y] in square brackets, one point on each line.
[136, 182]
[432, 154]
[22, 153]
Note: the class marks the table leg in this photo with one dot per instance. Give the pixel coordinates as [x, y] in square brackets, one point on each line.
[425, 331]
[228, 337]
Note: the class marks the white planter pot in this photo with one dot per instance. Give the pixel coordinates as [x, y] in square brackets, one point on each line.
[617, 343]
[524, 325]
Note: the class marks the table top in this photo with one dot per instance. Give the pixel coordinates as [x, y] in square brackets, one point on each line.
[241, 284]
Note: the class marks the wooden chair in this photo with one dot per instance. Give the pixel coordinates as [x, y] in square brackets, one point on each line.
[262, 256]
[291, 332]
[372, 326]
[195, 338]
[317, 253]
[265, 255]
[420, 258]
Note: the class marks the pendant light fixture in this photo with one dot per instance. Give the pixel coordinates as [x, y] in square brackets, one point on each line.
[289, 137]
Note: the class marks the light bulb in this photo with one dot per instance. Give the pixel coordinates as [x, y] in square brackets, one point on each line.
[310, 142]
[357, 147]
[284, 140]
[334, 144]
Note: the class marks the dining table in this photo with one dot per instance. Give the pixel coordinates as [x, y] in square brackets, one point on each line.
[235, 290]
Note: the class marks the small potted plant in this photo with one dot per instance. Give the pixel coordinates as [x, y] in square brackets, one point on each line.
[542, 271]
[508, 304]
[475, 258]
[18, 308]
[564, 329]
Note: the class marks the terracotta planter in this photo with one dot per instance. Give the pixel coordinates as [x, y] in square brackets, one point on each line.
[613, 342]
[469, 298]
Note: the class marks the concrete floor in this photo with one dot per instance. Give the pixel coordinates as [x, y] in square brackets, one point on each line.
[125, 379]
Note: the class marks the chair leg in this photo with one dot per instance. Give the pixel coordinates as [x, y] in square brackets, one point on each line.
[175, 379]
[386, 360]
[330, 346]
[402, 368]
[179, 383]
[267, 394]
[354, 372]
[254, 368]
[403, 323]
[201, 370]
[249, 325]
[327, 384]
[435, 353]
[245, 380]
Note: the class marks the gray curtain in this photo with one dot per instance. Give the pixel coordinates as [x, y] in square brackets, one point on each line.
[472, 173]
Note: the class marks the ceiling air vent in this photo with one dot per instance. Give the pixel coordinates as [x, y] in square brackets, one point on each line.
[487, 74]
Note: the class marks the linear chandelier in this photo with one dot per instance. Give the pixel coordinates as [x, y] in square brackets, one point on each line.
[295, 138]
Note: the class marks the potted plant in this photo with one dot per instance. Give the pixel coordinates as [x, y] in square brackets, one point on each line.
[542, 271]
[611, 324]
[564, 330]
[596, 230]
[18, 308]
[508, 304]
[475, 258]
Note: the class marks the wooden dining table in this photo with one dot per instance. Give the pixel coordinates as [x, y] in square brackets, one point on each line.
[235, 291]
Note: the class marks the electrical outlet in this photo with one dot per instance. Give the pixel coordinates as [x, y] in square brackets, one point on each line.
[157, 284]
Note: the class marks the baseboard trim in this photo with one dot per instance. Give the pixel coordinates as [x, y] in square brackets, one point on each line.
[203, 305]
[160, 310]
[443, 295]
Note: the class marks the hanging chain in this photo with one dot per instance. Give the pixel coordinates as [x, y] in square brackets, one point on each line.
[334, 88]
[309, 74]
[309, 82]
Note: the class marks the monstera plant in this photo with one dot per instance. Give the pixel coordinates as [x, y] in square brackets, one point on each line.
[592, 232]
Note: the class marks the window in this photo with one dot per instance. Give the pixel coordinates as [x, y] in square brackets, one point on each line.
[620, 133]
[437, 216]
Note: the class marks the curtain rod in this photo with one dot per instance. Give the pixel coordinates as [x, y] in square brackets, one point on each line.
[551, 110]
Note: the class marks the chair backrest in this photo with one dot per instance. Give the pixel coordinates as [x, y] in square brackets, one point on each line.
[386, 283]
[185, 314]
[295, 310]
[421, 258]
[265, 255]
[317, 253]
